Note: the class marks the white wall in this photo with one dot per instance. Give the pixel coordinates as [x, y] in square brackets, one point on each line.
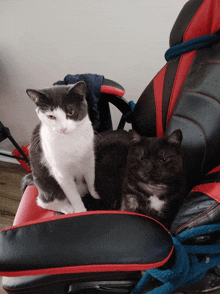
[42, 41]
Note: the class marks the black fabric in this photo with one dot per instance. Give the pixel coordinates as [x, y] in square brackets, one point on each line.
[92, 239]
[193, 146]
[144, 121]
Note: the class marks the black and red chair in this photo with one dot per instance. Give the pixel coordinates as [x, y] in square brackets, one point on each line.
[185, 93]
[106, 251]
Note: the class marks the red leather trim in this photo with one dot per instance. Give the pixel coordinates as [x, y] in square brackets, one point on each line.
[210, 189]
[182, 70]
[112, 90]
[158, 83]
[51, 216]
[89, 268]
[214, 170]
[205, 21]
[28, 210]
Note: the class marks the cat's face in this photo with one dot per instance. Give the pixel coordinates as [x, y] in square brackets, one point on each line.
[61, 108]
[156, 160]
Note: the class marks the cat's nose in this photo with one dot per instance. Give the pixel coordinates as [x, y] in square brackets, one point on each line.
[63, 130]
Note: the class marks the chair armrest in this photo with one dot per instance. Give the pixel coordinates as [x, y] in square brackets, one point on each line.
[101, 241]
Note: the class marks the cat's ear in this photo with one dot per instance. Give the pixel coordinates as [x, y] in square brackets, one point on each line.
[176, 137]
[79, 88]
[35, 95]
[135, 138]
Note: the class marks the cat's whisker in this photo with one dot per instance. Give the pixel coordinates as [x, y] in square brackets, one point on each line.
[35, 143]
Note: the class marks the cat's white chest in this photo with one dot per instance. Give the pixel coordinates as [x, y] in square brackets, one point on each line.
[66, 150]
[156, 190]
[156, 203]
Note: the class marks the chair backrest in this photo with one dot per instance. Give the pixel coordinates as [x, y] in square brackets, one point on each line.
[185, 93]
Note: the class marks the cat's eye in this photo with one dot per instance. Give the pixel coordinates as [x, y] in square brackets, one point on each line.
[163, 159]
[71, 113]
[51, 117]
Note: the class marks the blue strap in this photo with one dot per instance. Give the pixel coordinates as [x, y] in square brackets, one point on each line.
[128, 117]
[132, 105]
[188, 268]
[191, 45]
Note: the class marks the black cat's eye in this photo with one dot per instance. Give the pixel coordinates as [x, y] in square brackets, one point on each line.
[163, 159]
[51, 117]
[70, 113]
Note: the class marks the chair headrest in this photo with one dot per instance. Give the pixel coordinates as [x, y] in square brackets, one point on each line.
[197, 18]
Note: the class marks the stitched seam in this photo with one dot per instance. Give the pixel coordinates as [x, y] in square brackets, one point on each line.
[195, 92]
[204, 212]
[204, 218]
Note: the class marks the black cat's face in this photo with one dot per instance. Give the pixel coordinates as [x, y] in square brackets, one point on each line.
[156, 160]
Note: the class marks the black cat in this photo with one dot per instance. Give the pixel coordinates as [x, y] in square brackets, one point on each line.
[154, 182]
[111, 150]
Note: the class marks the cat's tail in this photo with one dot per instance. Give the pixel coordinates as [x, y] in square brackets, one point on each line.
[26, 181]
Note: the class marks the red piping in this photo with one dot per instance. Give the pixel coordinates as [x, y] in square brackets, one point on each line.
[88, 268]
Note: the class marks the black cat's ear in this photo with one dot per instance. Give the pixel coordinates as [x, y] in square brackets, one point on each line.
[135, 138]
[79, 88]
[176, 137]
[35, 95]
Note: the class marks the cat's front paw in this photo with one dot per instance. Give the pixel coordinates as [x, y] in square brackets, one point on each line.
[80, 208]
[63, 206]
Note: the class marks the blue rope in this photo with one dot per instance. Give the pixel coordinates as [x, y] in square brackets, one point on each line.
[132, 105]
[188, 269]
[191, 45]
[128, 117]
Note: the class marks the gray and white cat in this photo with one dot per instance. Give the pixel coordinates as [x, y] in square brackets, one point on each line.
[62, 148]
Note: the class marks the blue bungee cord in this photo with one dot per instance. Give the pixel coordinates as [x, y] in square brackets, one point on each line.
[191, 45]
[188, 269]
